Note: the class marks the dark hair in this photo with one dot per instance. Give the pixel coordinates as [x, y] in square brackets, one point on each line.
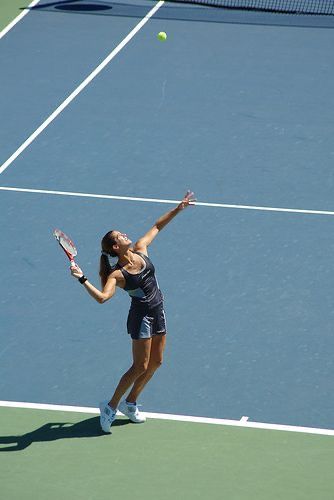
[107, 243]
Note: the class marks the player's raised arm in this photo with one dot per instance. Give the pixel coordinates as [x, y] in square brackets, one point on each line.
[142, 244]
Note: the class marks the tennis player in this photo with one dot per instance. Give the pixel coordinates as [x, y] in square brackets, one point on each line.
[146, 324]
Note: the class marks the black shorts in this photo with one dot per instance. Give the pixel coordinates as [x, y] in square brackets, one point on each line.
[144, 323]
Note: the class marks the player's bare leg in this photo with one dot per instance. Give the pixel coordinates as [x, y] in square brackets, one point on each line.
[141, 350]
[155, 361]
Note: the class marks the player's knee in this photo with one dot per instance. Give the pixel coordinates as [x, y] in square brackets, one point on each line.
[140, 368]
[157, 362]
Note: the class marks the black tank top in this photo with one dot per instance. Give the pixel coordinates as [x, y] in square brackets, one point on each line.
[143, 287]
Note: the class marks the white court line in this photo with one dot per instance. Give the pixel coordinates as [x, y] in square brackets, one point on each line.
[81, 87]
[178, 418]
[18, 18]
[157, 200]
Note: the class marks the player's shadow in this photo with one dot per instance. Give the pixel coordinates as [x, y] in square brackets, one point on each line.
[56, 430]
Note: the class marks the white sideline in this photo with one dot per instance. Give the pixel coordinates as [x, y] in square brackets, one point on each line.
[18, 18]
[178, 418]
[81, 87]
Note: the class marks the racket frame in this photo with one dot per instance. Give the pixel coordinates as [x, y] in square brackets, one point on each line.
[58, 234]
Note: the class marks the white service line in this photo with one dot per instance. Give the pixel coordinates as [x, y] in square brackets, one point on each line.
[158, 200]
[178, 418]
[18, 18]
[81, 87]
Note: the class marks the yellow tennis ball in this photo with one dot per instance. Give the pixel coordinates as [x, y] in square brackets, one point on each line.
[162, 36]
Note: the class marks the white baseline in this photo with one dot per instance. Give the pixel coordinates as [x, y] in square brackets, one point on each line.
[178, 418]
[158, 200]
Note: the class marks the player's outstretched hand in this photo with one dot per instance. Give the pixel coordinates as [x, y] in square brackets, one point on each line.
[76, 271]
[188, 199]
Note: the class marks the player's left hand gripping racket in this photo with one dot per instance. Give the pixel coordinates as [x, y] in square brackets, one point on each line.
[66, 244]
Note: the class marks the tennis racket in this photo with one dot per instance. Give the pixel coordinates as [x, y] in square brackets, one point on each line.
[66, 244]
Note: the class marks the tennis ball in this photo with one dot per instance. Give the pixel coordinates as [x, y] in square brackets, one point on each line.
[162, 36]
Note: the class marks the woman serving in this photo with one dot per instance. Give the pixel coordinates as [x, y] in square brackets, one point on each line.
[146, 323]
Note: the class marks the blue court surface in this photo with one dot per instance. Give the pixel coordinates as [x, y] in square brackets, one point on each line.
[239, 111]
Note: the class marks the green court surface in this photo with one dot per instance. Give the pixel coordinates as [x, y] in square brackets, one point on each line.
[9, 9]
[63, 455]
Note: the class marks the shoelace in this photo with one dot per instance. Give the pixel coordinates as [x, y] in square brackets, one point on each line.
[109, 411]
[133, 409]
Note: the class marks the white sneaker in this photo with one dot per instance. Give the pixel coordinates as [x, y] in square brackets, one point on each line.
[107, 416]
[132, 412]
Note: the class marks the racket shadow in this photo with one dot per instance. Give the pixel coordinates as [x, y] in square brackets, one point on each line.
[54, 431]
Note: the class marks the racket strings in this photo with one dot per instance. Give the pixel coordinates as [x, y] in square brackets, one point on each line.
[65, 242]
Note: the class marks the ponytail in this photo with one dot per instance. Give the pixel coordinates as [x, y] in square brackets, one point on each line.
[107, 250]
[105, 269]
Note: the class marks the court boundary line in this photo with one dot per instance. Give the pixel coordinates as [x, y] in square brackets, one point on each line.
[18, 18]
[179, 418]
[81, 87]
[157, 200]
